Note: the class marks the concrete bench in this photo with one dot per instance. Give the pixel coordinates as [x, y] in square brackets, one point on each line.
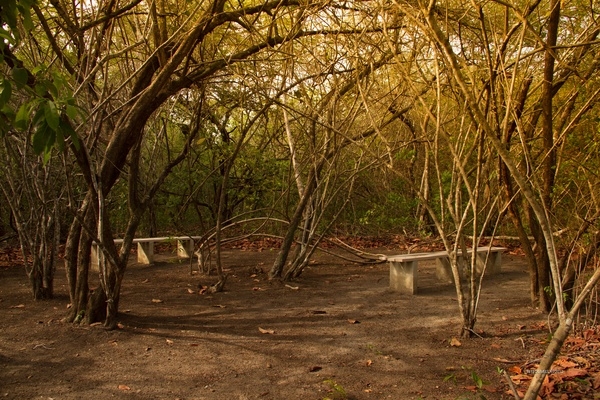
[145, 248]
[403, 267]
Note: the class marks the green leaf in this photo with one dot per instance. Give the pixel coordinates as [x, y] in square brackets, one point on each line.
[43, 139]
[39, 116]
[26, 15]
[5, 93]
[9, 14]
[5, 35]
[51, 115]
[68, 131]
[72, 111]
[37, 69]
[20, 76]
[22, 117]
[59, 141]
[478, 381]
[51, 87]
[9, 113]
[40, 89]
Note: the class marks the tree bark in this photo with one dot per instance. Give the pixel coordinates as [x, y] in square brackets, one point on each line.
[311, 185]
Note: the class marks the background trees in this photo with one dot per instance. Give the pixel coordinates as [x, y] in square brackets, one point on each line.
[457, 120]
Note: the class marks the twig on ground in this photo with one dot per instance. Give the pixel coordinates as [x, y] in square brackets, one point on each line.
[42, 346]
[513, 389]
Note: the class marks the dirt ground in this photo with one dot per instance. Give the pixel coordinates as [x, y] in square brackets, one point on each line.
[338, 332]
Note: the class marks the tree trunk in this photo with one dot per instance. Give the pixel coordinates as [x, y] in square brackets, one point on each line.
[515, 216]
[277, 269]
[71, 248]
[542, 263]
[82, 289]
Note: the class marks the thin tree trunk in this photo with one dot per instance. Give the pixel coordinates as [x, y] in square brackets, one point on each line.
[288, 240]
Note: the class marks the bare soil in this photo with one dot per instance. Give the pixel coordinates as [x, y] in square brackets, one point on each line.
[338, 332]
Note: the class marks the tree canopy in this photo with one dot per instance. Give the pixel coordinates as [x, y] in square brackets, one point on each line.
[301, 119]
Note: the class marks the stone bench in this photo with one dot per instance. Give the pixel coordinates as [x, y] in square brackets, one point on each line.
[145, 248]
[403, 267]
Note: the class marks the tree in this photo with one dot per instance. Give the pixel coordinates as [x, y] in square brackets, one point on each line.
[31, 189]
[494, 124]
[98, 46]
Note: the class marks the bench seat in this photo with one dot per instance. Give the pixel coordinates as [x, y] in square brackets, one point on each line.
[145, 248]
[403, 267]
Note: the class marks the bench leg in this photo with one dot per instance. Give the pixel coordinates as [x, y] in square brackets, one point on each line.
[185, 248]
[443, 271]
[403, 276]
[494, 263]
[145, 252]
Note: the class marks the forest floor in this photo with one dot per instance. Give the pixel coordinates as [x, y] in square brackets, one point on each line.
[338, 332]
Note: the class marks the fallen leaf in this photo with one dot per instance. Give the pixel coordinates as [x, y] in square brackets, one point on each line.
[538, 325]
[169, 342]
[588, 334]
[120, 326]
[157, 301]
[583, 362]
[219, 306]
[353, 321]
[520, 378]
[191, 291]
[292, 287]
[146, 281]
[369, 363]
[19, 306]
[571, 373]
[519, 392]
[515, 370]
[563, 363]
[124, 387]
[266, 331]
[471, 388]
[454, 342]
[596, 378]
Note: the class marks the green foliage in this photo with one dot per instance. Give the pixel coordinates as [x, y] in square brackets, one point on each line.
[336, 391]
[451, 377]
[392, 213]
[477, 380]
[10, 11]
[47, 109]
[41, 97]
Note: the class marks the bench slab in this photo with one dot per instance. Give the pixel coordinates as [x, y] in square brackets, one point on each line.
[145, 248]
[404, 267]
